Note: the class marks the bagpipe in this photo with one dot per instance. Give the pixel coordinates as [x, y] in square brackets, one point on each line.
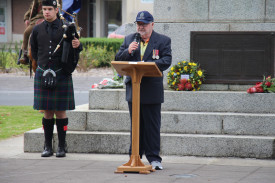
[72, 30]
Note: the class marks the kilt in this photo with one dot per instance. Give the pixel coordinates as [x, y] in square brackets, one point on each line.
[59, 99]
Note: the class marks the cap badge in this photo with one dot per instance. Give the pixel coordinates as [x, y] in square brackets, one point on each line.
[141, 16]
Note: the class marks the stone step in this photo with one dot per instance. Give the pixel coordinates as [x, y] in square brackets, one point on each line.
[176, 122]
[198, 101]
[171, 144]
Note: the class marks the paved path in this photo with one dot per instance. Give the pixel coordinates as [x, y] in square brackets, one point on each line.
[17, 166]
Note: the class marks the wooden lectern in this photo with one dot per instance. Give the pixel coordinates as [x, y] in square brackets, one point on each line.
[136, 70]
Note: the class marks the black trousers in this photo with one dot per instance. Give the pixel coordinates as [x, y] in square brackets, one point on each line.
[149, 138]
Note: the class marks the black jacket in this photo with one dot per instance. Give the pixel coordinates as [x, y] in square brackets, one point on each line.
[43, 45]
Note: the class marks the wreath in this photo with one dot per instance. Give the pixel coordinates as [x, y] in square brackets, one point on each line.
[185, 76]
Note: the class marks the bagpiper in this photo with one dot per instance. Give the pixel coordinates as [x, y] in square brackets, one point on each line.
[53, 85]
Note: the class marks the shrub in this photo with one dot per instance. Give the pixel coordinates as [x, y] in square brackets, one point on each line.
[92, 56]
[8, 59]
[97, 52]
[109, 44]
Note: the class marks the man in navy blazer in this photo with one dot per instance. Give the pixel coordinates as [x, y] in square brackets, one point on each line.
[151, 47]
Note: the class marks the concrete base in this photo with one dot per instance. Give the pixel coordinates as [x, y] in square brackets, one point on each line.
[171, 144]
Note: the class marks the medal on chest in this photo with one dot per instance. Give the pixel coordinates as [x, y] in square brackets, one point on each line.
[155, 54]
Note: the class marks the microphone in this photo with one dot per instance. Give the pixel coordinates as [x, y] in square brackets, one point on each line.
[136, 39]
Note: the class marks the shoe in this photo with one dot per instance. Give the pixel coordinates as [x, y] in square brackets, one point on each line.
[156, 165]
[61, 152]
[48, 152]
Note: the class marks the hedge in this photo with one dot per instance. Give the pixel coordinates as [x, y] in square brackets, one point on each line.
[109, 44]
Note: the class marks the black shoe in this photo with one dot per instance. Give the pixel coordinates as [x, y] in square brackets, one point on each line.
[48, 152]
[60, 152]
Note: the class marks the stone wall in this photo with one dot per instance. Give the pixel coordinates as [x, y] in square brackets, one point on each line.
[214, 10]
[177, 18]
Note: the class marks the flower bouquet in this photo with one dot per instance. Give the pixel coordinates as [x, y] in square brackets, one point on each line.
[185, 76]
[266, 86]
[115, 82]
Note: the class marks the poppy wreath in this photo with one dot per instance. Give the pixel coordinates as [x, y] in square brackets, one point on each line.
[185, 76]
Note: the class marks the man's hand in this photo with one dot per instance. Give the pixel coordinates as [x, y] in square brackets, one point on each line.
[75, 43]
[132, 46]
[27, 23]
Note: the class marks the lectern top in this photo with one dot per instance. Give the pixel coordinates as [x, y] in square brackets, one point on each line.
[149, 69]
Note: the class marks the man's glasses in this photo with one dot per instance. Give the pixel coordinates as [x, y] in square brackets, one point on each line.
[142, 24]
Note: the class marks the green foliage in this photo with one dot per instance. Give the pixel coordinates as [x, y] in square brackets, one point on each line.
[109, 44]
[268, 84]
[117, 77]
[15, 120]
[92, 56]
[8, 58]
[97, 52]
[271, 89]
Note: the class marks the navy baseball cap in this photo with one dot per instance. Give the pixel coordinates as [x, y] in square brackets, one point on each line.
[145, 17]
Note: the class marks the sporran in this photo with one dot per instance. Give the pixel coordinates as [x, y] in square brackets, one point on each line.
[48, 79]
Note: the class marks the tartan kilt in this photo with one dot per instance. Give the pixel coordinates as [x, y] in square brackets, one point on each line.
[59, 99]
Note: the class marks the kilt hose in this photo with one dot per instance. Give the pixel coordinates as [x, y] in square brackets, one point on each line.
[59, 99]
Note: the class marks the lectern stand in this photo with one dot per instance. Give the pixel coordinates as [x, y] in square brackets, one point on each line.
[136, 70]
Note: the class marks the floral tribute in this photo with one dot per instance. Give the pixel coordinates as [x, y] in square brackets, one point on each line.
[185, 76]
[266, 86]
[115, 82]
[117, 77]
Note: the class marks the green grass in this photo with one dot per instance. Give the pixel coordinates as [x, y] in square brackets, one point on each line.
[15, 120]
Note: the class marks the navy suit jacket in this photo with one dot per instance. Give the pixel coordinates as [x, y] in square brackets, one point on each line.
[151, 88]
